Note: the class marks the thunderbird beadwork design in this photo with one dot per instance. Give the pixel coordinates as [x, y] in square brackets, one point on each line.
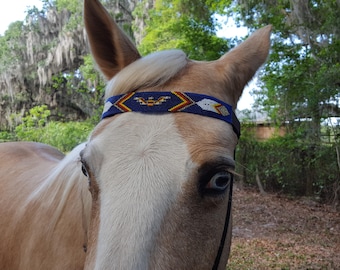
[150, 101]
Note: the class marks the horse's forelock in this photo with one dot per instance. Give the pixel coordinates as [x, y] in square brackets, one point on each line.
[150, 71]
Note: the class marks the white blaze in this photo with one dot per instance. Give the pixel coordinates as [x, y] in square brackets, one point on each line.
[145, 162]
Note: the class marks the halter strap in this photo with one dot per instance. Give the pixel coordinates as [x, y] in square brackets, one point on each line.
[225, 228]
[165, 102]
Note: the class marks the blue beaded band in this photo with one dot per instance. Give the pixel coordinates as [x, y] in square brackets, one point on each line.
[165, 102]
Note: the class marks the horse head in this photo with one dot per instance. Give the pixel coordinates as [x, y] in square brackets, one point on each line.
[160, 163]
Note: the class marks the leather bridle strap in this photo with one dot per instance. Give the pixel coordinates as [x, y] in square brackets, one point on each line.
[225, 228]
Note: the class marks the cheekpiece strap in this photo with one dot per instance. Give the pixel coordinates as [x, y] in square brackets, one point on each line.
[165, 102]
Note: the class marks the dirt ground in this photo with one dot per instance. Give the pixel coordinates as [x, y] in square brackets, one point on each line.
[275, 232]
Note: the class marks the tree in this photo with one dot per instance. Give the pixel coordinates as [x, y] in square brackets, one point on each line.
[301, 80]
[42, 62]
[300, 84]
[186, 25]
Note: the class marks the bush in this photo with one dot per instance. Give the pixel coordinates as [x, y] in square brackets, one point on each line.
[288, 164]
[6, 136]
[64, 136]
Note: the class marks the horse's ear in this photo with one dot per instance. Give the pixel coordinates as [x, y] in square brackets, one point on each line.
[110, 47]
[241, 63]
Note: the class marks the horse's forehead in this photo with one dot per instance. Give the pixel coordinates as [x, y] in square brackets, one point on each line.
[206, 138]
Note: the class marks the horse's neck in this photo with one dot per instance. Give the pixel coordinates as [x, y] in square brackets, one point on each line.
[64, 187]
[46, 208]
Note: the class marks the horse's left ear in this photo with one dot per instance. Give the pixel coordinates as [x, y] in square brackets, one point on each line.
[110, 47]
[239, 65]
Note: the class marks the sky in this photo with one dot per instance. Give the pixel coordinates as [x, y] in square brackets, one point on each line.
[14, 10]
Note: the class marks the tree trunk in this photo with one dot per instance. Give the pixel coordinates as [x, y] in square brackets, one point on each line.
[259, 184]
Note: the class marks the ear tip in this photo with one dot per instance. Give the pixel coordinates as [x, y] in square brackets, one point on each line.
[266, 30]
[269, 27]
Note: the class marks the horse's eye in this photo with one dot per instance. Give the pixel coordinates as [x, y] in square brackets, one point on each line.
[84, 170]
[218, 183]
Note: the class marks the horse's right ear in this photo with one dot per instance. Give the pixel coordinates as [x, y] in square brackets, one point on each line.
[110, 47]
[240, 64]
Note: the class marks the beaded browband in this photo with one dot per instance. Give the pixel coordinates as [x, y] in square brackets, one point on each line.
[165, 102]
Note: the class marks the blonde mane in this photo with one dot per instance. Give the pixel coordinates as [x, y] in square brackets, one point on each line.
[150, 71]
[65, 179]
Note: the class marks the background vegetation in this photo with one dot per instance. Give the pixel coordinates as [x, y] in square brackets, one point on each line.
[51, 92]
[290, 165]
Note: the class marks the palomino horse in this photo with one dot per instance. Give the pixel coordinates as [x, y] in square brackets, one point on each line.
[151, 189]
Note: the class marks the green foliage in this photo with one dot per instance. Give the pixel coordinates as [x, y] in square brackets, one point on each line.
[92, 85]
[32, 124]
[36, 127]
[301, 79]
[37, 117]
[11, 45]
[288, 164]
[183, 25]
[88, 70]
[64, 136]
[6, 136]
[74, 6]
[219, 7]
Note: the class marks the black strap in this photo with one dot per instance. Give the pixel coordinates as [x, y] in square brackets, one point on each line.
[225, 229]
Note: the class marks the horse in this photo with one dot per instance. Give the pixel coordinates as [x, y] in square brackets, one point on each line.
[152, 186]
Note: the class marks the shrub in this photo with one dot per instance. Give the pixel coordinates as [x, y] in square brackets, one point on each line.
[288, 164]
[64, 136]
